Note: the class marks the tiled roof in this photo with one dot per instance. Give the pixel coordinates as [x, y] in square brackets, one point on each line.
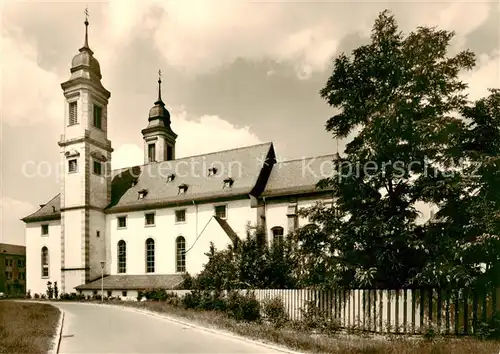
[298, 176]
[6, 248]
[49, 211]
[228, 230]
[243, 165]
[248, 167]
[135, 282]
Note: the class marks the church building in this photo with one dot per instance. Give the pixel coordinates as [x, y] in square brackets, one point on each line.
[146, 226]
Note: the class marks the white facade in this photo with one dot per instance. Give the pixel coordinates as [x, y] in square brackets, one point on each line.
[165, 231]
[36, 281]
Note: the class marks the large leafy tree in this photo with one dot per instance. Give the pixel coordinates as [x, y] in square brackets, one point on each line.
[465, 239]
[399, 96]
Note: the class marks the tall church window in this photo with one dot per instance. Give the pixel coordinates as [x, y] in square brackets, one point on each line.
[151, 153]
[97, 116]
[45, 262]
[150, 255]
[73, 113]
[122, 257]
[180, 244]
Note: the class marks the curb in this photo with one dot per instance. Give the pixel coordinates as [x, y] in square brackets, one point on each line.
[56, 342]
[224, 333]
[219, 332]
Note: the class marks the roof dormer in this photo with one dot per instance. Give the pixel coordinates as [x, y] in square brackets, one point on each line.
[142, 193]
[170, 177]
[212, 171]
[183, 188]
[228, 182]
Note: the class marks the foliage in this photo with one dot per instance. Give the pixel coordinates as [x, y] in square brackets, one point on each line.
[489, 329]
[274, 311]
[399, 97]
[50, 290]
[56, 290]
[314, 317]
[243, 307]
[251, 265]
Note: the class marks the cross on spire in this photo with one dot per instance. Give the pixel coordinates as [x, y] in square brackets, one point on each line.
[86, 43]
[159, 85]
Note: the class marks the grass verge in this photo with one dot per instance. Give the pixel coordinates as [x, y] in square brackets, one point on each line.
[304, 341]
[27, 327]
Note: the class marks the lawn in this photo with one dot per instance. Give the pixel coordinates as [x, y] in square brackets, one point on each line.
[335, 344]
[26, 327]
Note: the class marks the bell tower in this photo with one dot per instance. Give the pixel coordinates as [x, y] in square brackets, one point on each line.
[159, 139]
[85, 170]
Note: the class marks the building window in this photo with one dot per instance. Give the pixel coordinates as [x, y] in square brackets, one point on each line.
[277, 232]
[180, 215]
[150, 218]
[180, 243]
[220, 211]
[20, 263]
[124, 293]
[151, 153]
[150, 256]
[45, 262]
[22, 276]
[9, 262]
[170, 153]
[45, 229]
[98, 116]
[122, 257]
[122, 222]
[97, 168]
[8, 275]
[110, 293]
[72, 166]
[73, 113]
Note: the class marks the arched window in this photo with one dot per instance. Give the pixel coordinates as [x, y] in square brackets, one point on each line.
[45, 262]
[277, 235]
[122, 257]
[180, 246]
[150, 255]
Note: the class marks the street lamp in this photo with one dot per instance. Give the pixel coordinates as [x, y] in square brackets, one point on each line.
[102, 281]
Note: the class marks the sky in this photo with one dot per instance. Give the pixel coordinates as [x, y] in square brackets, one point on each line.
[234, 73]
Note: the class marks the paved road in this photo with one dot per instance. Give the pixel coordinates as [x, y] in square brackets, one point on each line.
[103, 329]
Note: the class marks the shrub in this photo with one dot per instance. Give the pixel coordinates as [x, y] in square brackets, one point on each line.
[489, 329]
[192, 299]
[37, 296]
[28, 294]
[313, 317]
[243, 307]
[274, 311]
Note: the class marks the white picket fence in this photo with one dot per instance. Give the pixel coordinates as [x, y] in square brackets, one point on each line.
[382, 311]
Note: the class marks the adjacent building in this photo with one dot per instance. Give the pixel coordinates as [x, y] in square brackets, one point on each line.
[12, 269]
[145, 226]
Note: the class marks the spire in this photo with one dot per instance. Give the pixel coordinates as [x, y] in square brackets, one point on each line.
[159, 88]
[86, 43]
